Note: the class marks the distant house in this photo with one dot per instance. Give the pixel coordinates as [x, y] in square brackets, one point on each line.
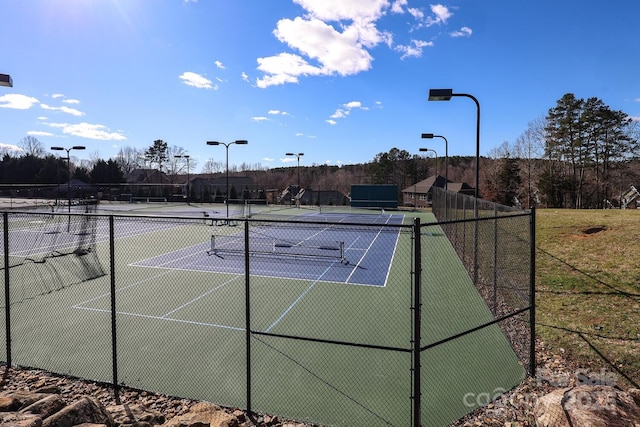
[147, 176]
[419, 194]
[214, 189]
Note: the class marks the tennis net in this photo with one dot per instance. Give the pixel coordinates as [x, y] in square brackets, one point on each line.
[272, 246]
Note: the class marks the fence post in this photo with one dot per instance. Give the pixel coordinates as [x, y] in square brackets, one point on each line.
[494, 309]
[417, 307]
[7, 299]
[114, 341]
[247, 305]
[532, 294]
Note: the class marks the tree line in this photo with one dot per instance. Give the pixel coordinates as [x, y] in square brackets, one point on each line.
[582, 154]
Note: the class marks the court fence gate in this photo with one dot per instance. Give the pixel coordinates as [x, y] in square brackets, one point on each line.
[353, 320]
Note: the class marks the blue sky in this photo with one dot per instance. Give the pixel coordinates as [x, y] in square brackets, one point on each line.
[338, 80]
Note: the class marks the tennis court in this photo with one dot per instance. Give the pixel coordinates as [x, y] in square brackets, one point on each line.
[183, 299]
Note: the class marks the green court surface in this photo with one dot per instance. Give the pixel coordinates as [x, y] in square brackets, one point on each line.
[181, 330]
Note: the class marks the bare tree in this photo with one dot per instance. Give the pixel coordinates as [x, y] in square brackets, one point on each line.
[529, 149]
[211, 166]
[129, 158]
[32, 146]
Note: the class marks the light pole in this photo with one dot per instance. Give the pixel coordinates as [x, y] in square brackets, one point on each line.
[298, 155]
[434, 152]
[185, 156]
[445, 95]
[226, 145]
[68, 150]
[6, 80]
[436, 180]
[446, 156]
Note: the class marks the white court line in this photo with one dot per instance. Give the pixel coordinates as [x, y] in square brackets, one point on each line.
[367, 250]
[146, 316]
[164, 316]
[108, 295]
[297, 300]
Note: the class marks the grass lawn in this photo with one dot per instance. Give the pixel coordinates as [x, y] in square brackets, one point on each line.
[588, 288]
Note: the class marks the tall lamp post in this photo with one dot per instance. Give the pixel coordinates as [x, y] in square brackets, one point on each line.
[68, 150]
[434, 152]
[445, 95]
[446, 156]
[185, 156]
[238, 142]
[298, 155]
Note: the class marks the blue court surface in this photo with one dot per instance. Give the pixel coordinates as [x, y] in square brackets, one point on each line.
[308, 251]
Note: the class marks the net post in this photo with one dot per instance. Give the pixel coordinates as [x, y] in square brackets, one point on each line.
[7, 299]
[417, 301]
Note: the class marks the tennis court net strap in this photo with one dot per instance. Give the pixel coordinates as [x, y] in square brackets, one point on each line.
[273, 246]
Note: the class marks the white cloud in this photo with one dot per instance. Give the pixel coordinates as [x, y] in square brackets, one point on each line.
[635, 118]
[244, 76]
[336, 10]
[441, 15]
[259, 119]
[219, 65]
[324, 49]
[277, 113]
[71, 101]
[57, 95]
[9, 147]
[268, 159]
[17, 102]
[416, 13]
[335, 37]
[340, 114]
[288, 159]
[88, 130]
[413, 50]
[39, 133]
[283, 68]
[397, 6]
[196, 80]
[345, 110]
[462, 32]
[64, 109]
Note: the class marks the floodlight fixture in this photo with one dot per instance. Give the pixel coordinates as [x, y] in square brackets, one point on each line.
[6, 80]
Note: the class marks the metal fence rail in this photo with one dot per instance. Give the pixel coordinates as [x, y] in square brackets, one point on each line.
[363, 338]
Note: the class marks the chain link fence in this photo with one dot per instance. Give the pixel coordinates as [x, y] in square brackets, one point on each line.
[336, 319]
[496, 243]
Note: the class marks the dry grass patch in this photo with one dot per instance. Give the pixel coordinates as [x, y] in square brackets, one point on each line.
[588, 287]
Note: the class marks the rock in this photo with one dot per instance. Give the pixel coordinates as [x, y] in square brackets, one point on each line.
[14, 419]
[204, 415]
[45, 407]
[585, 405]
[9, 403]
[85, 410]
[136, 413]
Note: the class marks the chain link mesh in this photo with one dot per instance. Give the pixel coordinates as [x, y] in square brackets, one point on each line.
[314, 323]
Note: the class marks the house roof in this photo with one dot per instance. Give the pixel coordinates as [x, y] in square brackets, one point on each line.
[424, 186]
